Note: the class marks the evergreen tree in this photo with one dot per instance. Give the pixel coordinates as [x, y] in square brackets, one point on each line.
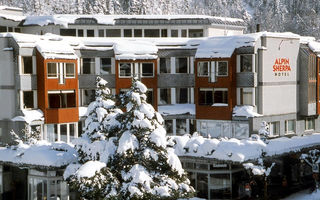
[125, 155]
[91, 176]
[146, 168]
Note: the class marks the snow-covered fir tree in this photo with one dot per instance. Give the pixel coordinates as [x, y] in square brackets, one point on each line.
[125, 155]
[146, 168]
[91, 176]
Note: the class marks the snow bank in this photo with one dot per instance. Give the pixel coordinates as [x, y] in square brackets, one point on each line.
[177, 109]
[244, 111]
[304, 195]
[30, 116]
[42, 153]
[239, 150]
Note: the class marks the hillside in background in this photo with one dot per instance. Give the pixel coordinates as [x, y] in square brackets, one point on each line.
[302, 17]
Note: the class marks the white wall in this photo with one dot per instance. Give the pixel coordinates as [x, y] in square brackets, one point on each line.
[279, 93]
[7, 104]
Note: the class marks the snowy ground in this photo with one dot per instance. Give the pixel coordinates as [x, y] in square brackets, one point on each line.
[304, 195]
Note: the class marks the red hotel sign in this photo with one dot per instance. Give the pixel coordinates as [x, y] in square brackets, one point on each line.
[281, 67]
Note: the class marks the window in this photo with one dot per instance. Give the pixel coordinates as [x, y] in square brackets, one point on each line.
[87, 97]
[165, 96]
[245, 63]
[147, 69]
[52, 70]
[182, 65]
[164, 33]
[222, 68]
[195, 33]
[168, 125]
[90, 33]
[174, 33]
[17, 30]
[149, 95]
[47, 185]
[246, 95]
[63, 132]
[28, 101]
[113, 32]
[213, 96]
[127, 33]
[182, 95]
[220, 186]
[203, 69]
[62, 99]
[205, 96]
[289, 126]
[274, 128]
[220, 96]
[26, 65]
[80, 32]
[69, 70]
[105, 66]
[101, 33]
[68, 32]
[125, 70]
[183, 33]
[181, 127]
[165, 65]
[309, 123]
[10, 29]
[3, 29]
[88, 65]
[151, 33]
[137, 33]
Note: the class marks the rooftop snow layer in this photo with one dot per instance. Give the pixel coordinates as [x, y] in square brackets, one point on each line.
[132, 50]
[224, 46]
[16, 18]
[65, 20]
[42, 153]
[244, 111]
[55, 50]
[30, 116]
[10, 8]
[240, 150]
[177, 109]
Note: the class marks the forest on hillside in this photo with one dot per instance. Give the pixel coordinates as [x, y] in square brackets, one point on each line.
[301, 17]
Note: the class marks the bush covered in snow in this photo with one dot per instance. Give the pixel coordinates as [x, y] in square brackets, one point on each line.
[124, 155]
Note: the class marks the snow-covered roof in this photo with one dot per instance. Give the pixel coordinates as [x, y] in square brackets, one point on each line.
[55, 50]
[224, 46]
[42, 154]
[65, 20]
[177, 109]
[240, 150]
[244, 111]
[139, 48]
[10, 8]
[133, 50]
[16, 18]
[30, 116]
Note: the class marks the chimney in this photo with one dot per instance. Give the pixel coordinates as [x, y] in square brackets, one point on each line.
[258, 28]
